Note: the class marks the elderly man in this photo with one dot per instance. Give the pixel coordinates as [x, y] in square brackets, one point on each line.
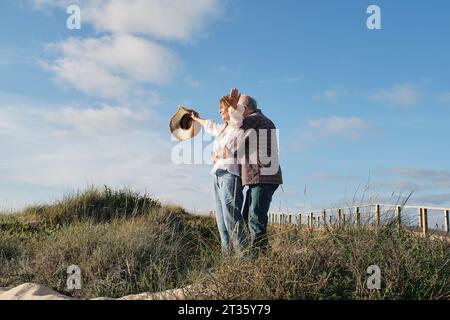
[261, 171]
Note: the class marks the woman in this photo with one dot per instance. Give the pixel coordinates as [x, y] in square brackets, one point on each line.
[227, 172]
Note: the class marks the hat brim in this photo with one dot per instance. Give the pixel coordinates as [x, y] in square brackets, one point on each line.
[180, 130]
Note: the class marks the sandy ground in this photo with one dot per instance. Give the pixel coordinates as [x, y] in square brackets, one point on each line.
[32, 291]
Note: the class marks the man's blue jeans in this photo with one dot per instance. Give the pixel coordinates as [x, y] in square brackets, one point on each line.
[256, 209]
[228, 197]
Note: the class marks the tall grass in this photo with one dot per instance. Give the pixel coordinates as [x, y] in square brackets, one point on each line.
[332, 264]
[120, 249]
[93, 203]
[126, 243]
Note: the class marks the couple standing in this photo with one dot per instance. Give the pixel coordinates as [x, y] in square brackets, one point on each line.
[245, 153]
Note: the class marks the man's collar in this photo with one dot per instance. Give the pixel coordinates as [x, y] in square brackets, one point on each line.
[254, 112]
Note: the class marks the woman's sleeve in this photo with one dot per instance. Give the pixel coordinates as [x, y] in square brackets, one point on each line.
[213, 128]
[236, 116]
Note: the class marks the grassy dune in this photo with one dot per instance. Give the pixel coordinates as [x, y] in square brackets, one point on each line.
[126, 243]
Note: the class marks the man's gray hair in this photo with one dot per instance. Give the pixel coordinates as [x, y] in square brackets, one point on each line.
[249, 102]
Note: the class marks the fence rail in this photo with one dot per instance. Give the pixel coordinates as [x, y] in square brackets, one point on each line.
[358, 215]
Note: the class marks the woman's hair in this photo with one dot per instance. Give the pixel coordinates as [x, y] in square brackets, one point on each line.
[223, 100]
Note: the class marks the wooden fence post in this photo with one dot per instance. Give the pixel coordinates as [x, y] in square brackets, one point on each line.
[419, 218]
[446, 221]
[377, 215]
[358, 217]
[399, 217]
[324, 218]
[281, 218]
[425, 221]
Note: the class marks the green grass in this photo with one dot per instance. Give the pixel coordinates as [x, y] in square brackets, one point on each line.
[126, 243]
[333, 265]
[121, 249]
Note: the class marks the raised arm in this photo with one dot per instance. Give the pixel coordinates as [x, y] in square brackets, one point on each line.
[233, 98]
[210, 126]
[236, 116]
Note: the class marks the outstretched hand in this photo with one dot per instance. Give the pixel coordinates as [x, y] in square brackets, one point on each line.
[194, 115]
[233, 98]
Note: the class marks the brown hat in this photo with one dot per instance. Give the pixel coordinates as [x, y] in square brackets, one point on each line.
[182, 126]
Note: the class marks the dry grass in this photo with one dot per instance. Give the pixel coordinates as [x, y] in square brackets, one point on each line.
[153, 250]
[126, 244]
[332, 265]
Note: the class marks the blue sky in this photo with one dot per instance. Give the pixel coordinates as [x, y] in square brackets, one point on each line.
[360, 112]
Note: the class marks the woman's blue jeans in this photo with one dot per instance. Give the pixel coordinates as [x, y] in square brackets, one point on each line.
[229, 198]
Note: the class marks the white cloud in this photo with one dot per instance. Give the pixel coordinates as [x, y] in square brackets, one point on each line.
[434, 199]
[106, 120]
[229, 71]
[194, 83]
[6, 123]
[444, 98]
[163, 19]
[331, 94]
[111, 66]
[282, 80]
[401, 185]
[403, 95]
[124, 59]
[15, 56]
[429, 178]
[349, 128]
[327, 177]
[69, 148]
[429, 186]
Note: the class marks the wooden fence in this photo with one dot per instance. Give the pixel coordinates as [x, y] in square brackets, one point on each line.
[370, 214]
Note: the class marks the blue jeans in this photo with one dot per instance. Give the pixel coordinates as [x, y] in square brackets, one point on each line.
[228, 197]
[256, 208]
